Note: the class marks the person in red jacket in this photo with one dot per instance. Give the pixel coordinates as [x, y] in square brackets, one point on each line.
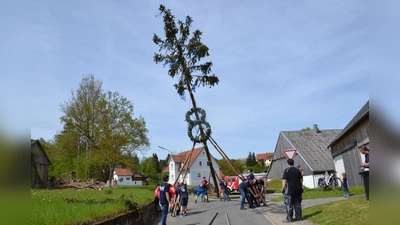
[157, 199]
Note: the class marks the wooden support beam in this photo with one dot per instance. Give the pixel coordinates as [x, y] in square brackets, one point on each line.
[212, 220]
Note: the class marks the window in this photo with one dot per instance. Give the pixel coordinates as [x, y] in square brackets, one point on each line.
[172, 177]
[198, 175]
[121, 179]
[128, 178]
[200, 163]
[172, 166]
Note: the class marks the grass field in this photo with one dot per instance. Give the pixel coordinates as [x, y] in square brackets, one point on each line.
[353, 211]
[86, 206]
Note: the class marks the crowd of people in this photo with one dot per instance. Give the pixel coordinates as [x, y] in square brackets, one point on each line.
[176, 197]
[168, 196]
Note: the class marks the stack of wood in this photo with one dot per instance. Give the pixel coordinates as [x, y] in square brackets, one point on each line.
[83, 185]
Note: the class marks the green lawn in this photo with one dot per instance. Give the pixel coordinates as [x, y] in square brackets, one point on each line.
[352, 211]
[86, 206]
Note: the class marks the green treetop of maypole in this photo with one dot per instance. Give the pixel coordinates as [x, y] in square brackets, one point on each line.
[181, 52]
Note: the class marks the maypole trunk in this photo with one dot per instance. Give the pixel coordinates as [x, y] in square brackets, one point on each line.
[203, 133]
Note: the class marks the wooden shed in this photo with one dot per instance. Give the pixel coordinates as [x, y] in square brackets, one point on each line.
[345, 153]
[311, 153]
[40, 163]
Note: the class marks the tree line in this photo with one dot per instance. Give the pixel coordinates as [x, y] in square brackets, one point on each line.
[100, 133]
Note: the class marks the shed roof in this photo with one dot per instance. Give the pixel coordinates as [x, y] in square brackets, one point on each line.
[364, 111]
[33, 142]
[312, 147]
[123, 172]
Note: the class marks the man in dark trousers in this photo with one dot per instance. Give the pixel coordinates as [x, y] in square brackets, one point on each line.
[245, 191]
[292, 188]
[165, 199]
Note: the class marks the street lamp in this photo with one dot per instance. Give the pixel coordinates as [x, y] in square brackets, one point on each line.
[165, 149]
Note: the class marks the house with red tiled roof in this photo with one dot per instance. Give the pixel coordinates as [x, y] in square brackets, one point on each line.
[195, 169]
[265, 158]
[124, 176]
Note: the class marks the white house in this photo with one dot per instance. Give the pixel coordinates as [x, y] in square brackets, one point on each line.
[195, 169]
[124, 176]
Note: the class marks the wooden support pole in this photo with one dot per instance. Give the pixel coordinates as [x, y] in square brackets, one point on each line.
[185, 164]
[203, 134]
[222, 153]
[212, 220]
[227, 219]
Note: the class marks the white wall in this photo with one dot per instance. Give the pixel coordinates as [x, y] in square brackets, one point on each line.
[204, 169]
[191, 176]
[309, 181]
[126, 180]
[339, 164]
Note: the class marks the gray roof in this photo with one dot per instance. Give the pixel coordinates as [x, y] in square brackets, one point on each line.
[364, 111]
[312, 147]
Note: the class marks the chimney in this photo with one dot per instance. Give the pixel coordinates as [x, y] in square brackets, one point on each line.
[316, 129]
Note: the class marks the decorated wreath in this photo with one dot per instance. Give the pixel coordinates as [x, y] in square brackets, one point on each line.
[201, 111]
[201, 122]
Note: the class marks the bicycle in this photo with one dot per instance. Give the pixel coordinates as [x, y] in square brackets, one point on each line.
[333, 182]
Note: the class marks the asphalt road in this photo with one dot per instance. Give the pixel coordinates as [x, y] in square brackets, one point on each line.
[203, 212]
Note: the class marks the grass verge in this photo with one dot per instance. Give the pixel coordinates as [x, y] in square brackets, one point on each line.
[276, 185]
[353, 211]
[86, 206]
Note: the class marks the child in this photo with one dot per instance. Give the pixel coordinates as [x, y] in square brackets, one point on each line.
[302, 174]
[344, 184]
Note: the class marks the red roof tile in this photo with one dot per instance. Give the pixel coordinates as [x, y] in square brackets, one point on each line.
[181, 157]
[264, 156]
[123, 172]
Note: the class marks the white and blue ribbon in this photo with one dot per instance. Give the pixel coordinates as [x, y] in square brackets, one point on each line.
[159, 14]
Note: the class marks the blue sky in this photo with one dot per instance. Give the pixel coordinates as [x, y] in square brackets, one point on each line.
[282, 65]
